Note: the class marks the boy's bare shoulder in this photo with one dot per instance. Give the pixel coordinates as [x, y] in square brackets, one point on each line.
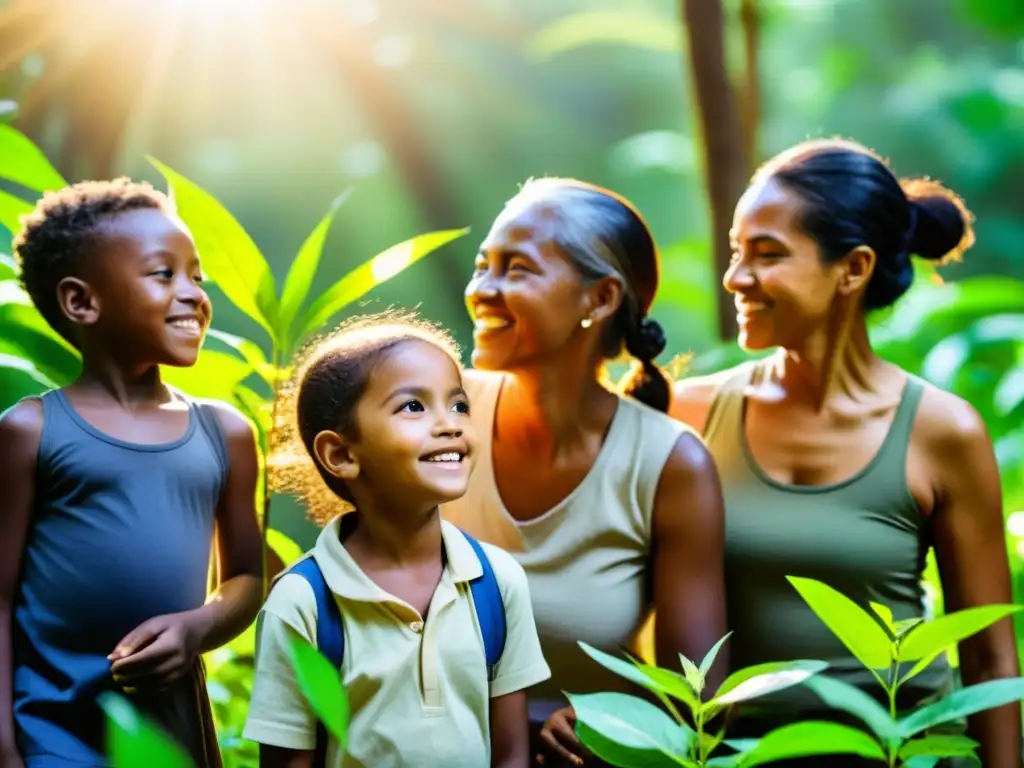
[22, 422]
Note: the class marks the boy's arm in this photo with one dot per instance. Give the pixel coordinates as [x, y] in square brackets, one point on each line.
[280, 719]
[521, 666]
[20, 431]
[510, 732]
[165, 647]
[236, 601]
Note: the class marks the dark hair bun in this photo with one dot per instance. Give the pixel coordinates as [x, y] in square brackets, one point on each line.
[942, 230]
[647, 340]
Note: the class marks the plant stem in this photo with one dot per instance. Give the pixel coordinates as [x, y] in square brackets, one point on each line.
[268, 450]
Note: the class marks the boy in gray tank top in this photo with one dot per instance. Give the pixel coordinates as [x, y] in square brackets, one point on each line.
[113, 489]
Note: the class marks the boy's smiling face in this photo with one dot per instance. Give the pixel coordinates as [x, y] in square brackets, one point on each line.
[141, 295]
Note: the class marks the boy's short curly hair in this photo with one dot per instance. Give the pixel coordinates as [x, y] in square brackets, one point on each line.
[329, 377]
[59, 235]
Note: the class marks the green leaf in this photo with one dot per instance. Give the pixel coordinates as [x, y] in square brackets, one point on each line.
[369, 275]
[631, 724]
[939, 745]
[903, 627]
[250, 351]
[709, 659]
[133, 741]
[611, 753]
[321, 684]
[932, 637]
[921, 762]
[257, 409]
[885, 614]
[963, 703]
[27, 367]
[919, 667]
[8, 269]
[812, 737]
[693, 674]
[228, 254]
[853, 626]
[25, 164]
[11, 210]
[215, 375]
[577, 30]
[26, 334]
[852, 700]
[654, 679]
[760, 679]
[284, 547]
[303, 269]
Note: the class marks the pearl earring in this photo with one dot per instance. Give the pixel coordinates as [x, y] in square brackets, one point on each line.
[586, 322]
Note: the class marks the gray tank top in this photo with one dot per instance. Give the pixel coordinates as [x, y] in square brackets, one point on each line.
[120, 533]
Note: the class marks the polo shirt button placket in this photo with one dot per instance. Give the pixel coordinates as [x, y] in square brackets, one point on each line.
[417, 627]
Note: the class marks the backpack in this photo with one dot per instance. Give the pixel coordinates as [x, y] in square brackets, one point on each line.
[330, 635]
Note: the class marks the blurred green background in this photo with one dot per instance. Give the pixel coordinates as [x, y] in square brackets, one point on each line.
[433, 111]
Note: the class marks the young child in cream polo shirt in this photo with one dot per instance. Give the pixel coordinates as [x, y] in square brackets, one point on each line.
[379, 407]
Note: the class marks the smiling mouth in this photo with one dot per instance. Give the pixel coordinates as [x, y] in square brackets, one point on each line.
[484, 323]
[748, 308]
[445, 459]
[189, 324]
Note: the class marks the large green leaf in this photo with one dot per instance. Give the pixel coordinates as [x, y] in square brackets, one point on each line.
[809, 738]
[250, 351]
[321, 684]
[625, 757]
[963, 703]
[24, 333]
[229, 256]
[852, 700]
[932, 637]
[369, 275]
[23, 162]
[631, 724]
[11, 210]
[760, 679]
[26, 367]
[939, 745]
[300, 275]
[8, 269]
[215, 375]
[654, 679]
[634, 28]
[132, 741]
[854, 627]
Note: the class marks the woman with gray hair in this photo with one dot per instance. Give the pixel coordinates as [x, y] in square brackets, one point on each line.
[612, 508]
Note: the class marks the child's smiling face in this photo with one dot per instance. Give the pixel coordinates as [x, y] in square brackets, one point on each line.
[413, 441]
[145, 287]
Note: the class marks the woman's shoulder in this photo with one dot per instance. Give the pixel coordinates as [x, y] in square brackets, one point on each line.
[692, 397]
[947, 423]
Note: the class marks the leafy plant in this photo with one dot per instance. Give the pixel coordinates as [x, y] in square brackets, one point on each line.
[133, 740]
[630, 732]
[895, 652]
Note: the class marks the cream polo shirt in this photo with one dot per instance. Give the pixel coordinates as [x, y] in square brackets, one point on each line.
[418, 691]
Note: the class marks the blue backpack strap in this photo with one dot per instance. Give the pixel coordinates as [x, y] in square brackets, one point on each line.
[490, 608]
[330, 635]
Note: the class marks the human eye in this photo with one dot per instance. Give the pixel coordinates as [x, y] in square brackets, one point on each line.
[164, 273]
[461, 406]
[411, 406]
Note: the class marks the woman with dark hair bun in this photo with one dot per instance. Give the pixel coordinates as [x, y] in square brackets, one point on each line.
[612, 508]
[835, 464]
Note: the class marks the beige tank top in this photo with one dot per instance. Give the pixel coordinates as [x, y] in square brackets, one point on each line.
[586, 559]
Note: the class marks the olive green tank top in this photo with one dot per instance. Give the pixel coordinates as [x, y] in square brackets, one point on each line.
[864, 536]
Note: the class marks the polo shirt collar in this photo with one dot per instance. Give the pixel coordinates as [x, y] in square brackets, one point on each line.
[347, 580]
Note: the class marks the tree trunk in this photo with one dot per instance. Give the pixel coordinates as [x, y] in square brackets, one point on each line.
[750, 22]
[726, 166]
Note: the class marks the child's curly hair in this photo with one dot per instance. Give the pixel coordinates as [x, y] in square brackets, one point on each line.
[61, 233]
[330, 375]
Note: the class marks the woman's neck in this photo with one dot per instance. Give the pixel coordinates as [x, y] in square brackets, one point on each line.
[839, 361]
[552, 407]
